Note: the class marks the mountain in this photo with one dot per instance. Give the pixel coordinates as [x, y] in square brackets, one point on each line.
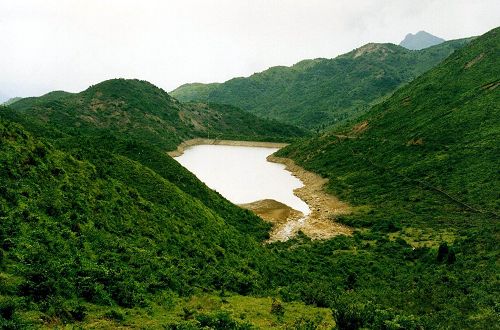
[99, 228]
[107, 232]
[12, 100]
[144, 113]
[420, 40]
[323, 92]
[139, 121]
[95, 213]
[422, 167]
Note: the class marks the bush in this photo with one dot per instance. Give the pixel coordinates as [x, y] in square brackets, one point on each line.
[277, 309]
[221, 320]
[115, 315]
[306, 323]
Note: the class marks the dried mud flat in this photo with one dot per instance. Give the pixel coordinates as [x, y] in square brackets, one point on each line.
[319, 224]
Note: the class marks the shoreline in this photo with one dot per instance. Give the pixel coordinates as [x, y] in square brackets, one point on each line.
[200, 141]
[320, 223]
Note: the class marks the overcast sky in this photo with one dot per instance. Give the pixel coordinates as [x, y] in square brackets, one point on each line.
[70, 44]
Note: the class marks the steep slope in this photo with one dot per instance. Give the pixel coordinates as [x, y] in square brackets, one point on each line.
[73, 233]
[441, 128]
[422, 170]
[139, 121]
[12, 100]
[323, 92]
[420, 40]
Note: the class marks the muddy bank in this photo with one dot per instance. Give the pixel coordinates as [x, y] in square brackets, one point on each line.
[320, 223]
[194, 142]
[273, 211]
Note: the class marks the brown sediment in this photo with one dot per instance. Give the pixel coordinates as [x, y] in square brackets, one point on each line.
[273, 211]
[194, 142]
[320, 223]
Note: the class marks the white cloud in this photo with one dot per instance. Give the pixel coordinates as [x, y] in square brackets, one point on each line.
[70, 44]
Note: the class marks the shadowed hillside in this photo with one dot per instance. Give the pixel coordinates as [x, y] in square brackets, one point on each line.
[108, 230]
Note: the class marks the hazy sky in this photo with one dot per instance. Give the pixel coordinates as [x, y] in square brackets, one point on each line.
[70, 44]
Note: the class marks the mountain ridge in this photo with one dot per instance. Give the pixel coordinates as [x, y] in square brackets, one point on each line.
[147, 111]
[319, 93]
[421, 166]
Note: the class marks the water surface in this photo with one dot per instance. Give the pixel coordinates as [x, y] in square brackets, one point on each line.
[242, 174]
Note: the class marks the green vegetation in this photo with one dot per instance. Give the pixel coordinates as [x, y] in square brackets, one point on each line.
[141, 112]
[323, 92]
[73, 231]
[12, 100]
[99, 228]
[94, 214]
[422, 170]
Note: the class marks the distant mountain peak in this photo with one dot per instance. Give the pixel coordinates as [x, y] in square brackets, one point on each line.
[420, 40]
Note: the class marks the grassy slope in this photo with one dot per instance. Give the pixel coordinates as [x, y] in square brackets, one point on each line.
[127, 226]
[140, 121]
[144, 113]
[73, 232]
[315, 93]
[422, 170]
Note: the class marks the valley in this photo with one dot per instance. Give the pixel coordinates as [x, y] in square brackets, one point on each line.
[240, 172]
[386, 216]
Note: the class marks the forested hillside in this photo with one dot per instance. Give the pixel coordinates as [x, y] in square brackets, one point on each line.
[109, 231]
[422, 169]
[142, 112]
[94, 211]
[323, 92]
[99, 228]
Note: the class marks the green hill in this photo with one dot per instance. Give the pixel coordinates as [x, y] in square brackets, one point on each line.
[139, 121]
[95, 197]
[99, 228]
[109, 231]
[323, 92]
[12, 100]
[422, 170]
[142, 112]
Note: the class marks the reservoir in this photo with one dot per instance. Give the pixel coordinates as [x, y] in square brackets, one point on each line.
[242, 174]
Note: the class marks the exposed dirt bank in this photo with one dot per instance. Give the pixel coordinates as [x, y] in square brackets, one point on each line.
[194, 142]
[273, 211]
[320, 223]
